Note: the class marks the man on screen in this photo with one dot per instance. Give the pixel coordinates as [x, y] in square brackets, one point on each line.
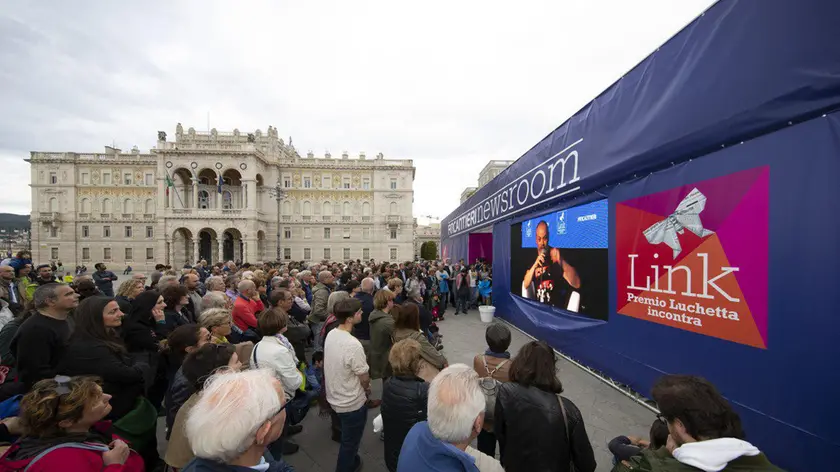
[551, 280]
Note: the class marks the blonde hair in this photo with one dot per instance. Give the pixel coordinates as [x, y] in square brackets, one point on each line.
[127, 286]
[381, 299]
[213, 317]
[395, 284]
[405, 357]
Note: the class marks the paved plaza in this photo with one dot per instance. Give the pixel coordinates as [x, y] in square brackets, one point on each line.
[606, 412]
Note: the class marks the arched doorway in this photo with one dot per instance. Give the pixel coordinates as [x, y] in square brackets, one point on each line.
[207, 244]
[232, 245]
[182, 247]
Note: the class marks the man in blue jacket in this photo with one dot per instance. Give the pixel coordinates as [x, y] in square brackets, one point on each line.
[455, 417]
[104, 279]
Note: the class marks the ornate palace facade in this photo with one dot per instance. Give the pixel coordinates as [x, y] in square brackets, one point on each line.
[212, 196]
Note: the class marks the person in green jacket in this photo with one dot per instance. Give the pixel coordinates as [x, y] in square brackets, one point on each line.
[705, 434]
[381, 331]
[26, 284]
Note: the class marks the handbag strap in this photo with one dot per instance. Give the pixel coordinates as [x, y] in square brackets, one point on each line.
[567, 430]
[496, 369]
[257, 364]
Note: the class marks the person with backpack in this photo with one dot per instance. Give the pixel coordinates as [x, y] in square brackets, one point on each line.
[493, 367]
[537, 429]
[63, 420]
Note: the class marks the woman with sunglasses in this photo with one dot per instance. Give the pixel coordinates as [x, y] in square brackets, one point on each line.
[62, 420]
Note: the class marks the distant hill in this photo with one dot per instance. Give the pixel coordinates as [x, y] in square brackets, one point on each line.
[10, 221]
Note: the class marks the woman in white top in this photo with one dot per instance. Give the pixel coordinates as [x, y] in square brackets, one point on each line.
[275, 352]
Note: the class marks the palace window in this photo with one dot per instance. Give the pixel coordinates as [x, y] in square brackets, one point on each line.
[393, 184]
[326, 233]
[54, 253]
[106, 254]
[287, 233]
[129, 254]
[346, 253]
[128, 231]
[366, 183]
[150, 254]
[327, 253]
[307, 253]
[85, 253]
[393, 253]
[53, 178]
[393, 234]
[85, 231]
[106, 231]
[150, 232]
[287, 253]
[365, 254]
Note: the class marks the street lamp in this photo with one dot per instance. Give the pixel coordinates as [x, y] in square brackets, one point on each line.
[278, 193]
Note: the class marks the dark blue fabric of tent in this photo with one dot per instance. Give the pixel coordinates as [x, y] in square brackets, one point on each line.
[786, 395]
[747, 84]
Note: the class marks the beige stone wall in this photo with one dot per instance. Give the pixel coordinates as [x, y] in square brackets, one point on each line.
[83, 203]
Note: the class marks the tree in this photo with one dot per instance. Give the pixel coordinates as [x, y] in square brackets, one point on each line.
[428, 250]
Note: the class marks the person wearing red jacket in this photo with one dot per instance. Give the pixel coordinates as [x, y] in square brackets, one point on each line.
[63, 420]
[247, 306]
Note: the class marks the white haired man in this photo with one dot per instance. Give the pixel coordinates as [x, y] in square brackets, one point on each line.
[237, 416]
[455, 417]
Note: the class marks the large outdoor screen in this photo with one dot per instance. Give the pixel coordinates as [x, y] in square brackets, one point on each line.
[560, 259]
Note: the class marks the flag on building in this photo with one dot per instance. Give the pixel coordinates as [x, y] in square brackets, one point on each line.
[221, 182]
[169, 184]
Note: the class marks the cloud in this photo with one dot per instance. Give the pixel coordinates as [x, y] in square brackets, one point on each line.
[450, 85]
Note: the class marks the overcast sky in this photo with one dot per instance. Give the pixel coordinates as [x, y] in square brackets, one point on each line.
[449, 84]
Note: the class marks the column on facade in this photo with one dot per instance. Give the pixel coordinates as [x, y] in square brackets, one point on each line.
[220, 250]
[250, 200]
[170, 248]
[162, 201]
[195, 256]
[195, 195]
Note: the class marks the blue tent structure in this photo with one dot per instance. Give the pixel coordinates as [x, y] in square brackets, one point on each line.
[741, 106]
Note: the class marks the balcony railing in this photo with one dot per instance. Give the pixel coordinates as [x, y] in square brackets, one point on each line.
[393, 219]
[287, 218]
[346, 218]
[232, 211]
[306, 218]
[326, 217]
[148, 216]
[49, 216]
[127, 216]
[366, 219]
[182, 211]
[84, 216]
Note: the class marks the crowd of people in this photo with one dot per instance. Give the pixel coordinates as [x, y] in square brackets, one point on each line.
[234, 355]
